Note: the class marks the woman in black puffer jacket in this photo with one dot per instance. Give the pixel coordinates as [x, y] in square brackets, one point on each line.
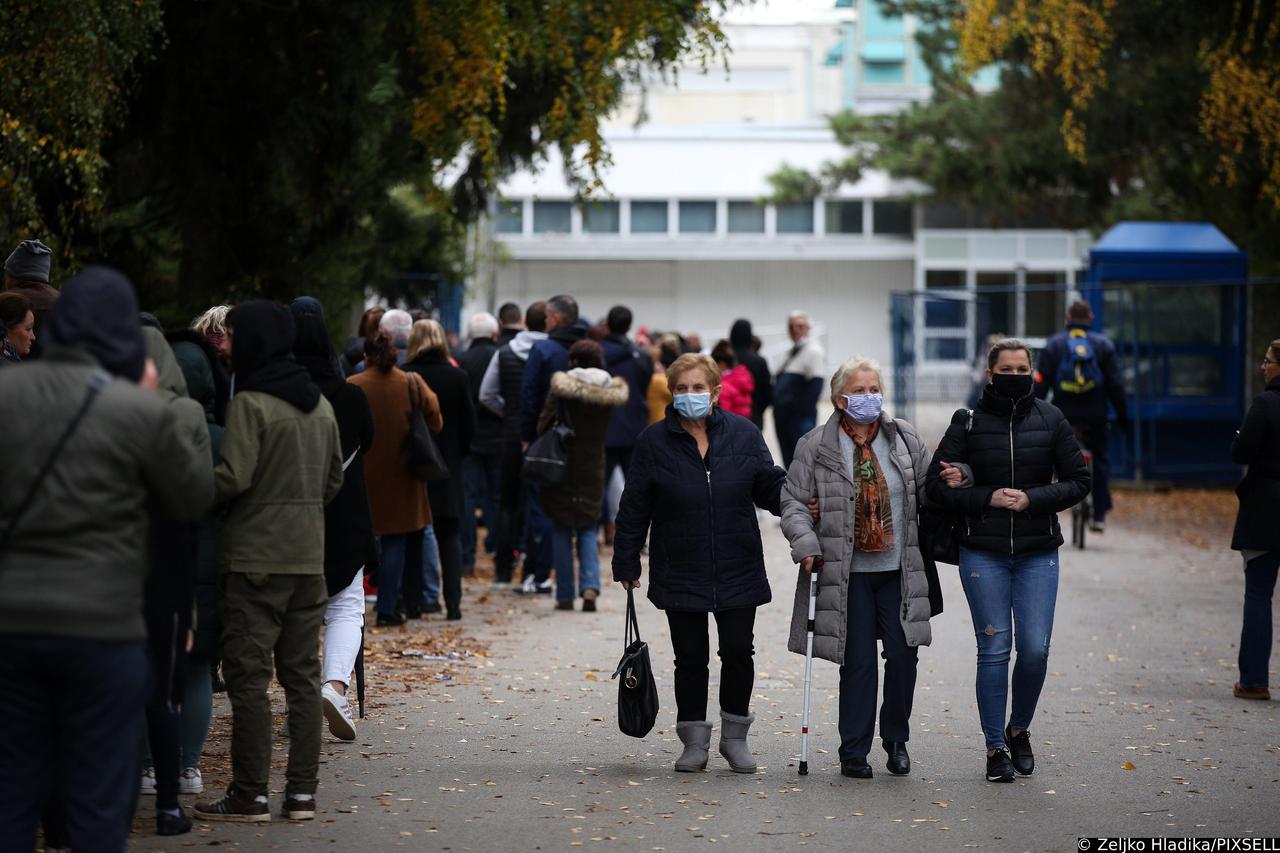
[1027, 467]
[697, 477]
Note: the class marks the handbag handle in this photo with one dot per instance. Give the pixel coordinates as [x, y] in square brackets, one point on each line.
[632, 631]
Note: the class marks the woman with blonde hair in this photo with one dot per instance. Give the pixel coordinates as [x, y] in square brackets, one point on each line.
[695, 481]
[867, 472]
[428, 356]
[212, 324]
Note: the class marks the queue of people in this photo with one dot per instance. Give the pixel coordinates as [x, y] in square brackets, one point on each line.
[204, 500]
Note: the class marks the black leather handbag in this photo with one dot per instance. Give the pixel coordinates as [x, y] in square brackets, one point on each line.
[546, 462]
[422, 455]
[637, 691]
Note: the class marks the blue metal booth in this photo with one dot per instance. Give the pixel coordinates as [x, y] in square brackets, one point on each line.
[1173, 297]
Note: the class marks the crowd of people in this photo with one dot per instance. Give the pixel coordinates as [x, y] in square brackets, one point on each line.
[186, 508]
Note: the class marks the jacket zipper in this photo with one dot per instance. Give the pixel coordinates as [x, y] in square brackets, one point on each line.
[711, 510]
[1012, 480]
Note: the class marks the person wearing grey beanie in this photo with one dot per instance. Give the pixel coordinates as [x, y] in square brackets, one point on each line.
[26, 271]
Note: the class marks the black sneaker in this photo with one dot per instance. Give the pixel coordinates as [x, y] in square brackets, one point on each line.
[171, 824]
[432, 608]
[1024, 761]
[297, 809]
[232, 808]
[390, 620]
[999, 767]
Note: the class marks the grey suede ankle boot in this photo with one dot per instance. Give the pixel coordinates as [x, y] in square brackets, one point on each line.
[733, 742]
[696, 737]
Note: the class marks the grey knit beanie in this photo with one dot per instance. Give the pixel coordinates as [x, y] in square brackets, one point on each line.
[30, 261]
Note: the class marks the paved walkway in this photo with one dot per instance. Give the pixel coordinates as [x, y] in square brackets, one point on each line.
[1137, 734]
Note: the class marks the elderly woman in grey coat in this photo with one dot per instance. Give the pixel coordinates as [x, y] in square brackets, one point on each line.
[866, 471]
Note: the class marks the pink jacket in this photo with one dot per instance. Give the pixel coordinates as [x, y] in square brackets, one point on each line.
[737, 386]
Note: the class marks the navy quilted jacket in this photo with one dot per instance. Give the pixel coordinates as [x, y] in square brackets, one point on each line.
[704, 551]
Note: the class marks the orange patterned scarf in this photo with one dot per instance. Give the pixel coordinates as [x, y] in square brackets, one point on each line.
[873, 511]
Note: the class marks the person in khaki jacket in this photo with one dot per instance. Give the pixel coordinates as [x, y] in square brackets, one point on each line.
[866, 471]
[281, 463]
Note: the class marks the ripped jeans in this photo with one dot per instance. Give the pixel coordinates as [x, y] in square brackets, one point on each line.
[1011, 599]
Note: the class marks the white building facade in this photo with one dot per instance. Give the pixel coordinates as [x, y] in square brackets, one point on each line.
[682, 238]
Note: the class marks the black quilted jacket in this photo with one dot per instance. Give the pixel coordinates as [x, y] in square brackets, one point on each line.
[1022, 446]
[704, 551]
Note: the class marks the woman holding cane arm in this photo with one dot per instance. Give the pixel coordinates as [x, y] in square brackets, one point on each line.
[866, 470]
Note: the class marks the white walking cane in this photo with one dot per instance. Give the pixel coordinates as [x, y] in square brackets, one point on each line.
[808, 665]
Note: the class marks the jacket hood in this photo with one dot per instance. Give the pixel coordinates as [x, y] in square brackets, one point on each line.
[171, 378]
[617, 349]
[589, 385]
[97, 312]
[312, 347]
[262, 354]
[740, 334]
[522, 343]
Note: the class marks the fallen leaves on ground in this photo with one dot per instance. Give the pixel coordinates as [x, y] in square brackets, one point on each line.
[1202, 518]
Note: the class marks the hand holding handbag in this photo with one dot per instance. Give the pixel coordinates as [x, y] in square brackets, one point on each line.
[637, 692]
[422, 455]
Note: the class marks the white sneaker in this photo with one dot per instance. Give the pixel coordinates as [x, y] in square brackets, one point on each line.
[148, 787]
[529, 587]
[338, 712]
[190, 782]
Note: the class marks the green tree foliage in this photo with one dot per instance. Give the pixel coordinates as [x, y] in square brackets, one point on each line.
[1034, 149]
[274, 148]
[65, 72]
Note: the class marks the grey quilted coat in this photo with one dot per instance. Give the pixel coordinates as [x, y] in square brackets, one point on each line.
[819, 469]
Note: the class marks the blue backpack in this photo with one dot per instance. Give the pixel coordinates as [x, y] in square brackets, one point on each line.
[1078, 371]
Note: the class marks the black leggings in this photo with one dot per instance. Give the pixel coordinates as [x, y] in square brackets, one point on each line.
[693, 651]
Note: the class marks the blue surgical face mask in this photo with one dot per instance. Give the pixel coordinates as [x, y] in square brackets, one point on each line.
[863, 408]
[693, 406]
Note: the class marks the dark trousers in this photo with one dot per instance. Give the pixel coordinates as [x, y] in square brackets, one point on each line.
[539, 551]
[510, 512]
[1255, 634]
[873, 611]
[1096, 440]
[450, 547]
[264, 619]
[693, 652]
[790, 427]
[73, 724]
[481, 476]
[402, 569]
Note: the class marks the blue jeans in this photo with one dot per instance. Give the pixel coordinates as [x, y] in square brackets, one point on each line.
[430, 566]
[73, 724]
[562, 540]
[1007, 592]
[397, 549]
[1255, 633]
[481, 488]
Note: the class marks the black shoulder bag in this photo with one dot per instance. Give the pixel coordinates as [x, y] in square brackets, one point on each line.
[422, 454]
[637, 692]
[99, 379]
[940, 529]
[546, 462]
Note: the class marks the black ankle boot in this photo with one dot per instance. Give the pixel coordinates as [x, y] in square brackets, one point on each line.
[169, 824]
[855, 768]
[898, 763]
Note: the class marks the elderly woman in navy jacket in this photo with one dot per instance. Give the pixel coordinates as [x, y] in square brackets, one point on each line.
[696, 479]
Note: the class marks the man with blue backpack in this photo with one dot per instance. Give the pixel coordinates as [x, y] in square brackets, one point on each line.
[1080, 367]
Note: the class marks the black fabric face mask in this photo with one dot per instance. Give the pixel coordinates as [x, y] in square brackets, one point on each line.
[1012, 386]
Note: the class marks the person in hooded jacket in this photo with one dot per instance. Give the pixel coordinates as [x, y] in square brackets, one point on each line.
[695, 482]
[500, 393]
[74, 559]
[1026, 468]
[585, 396]
[167, 605]
[281, 463]
[349, 545]
[429, 358]
[742, 339]
[482, 466]
[1256, 535]
[200, 364]
[628, 362]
